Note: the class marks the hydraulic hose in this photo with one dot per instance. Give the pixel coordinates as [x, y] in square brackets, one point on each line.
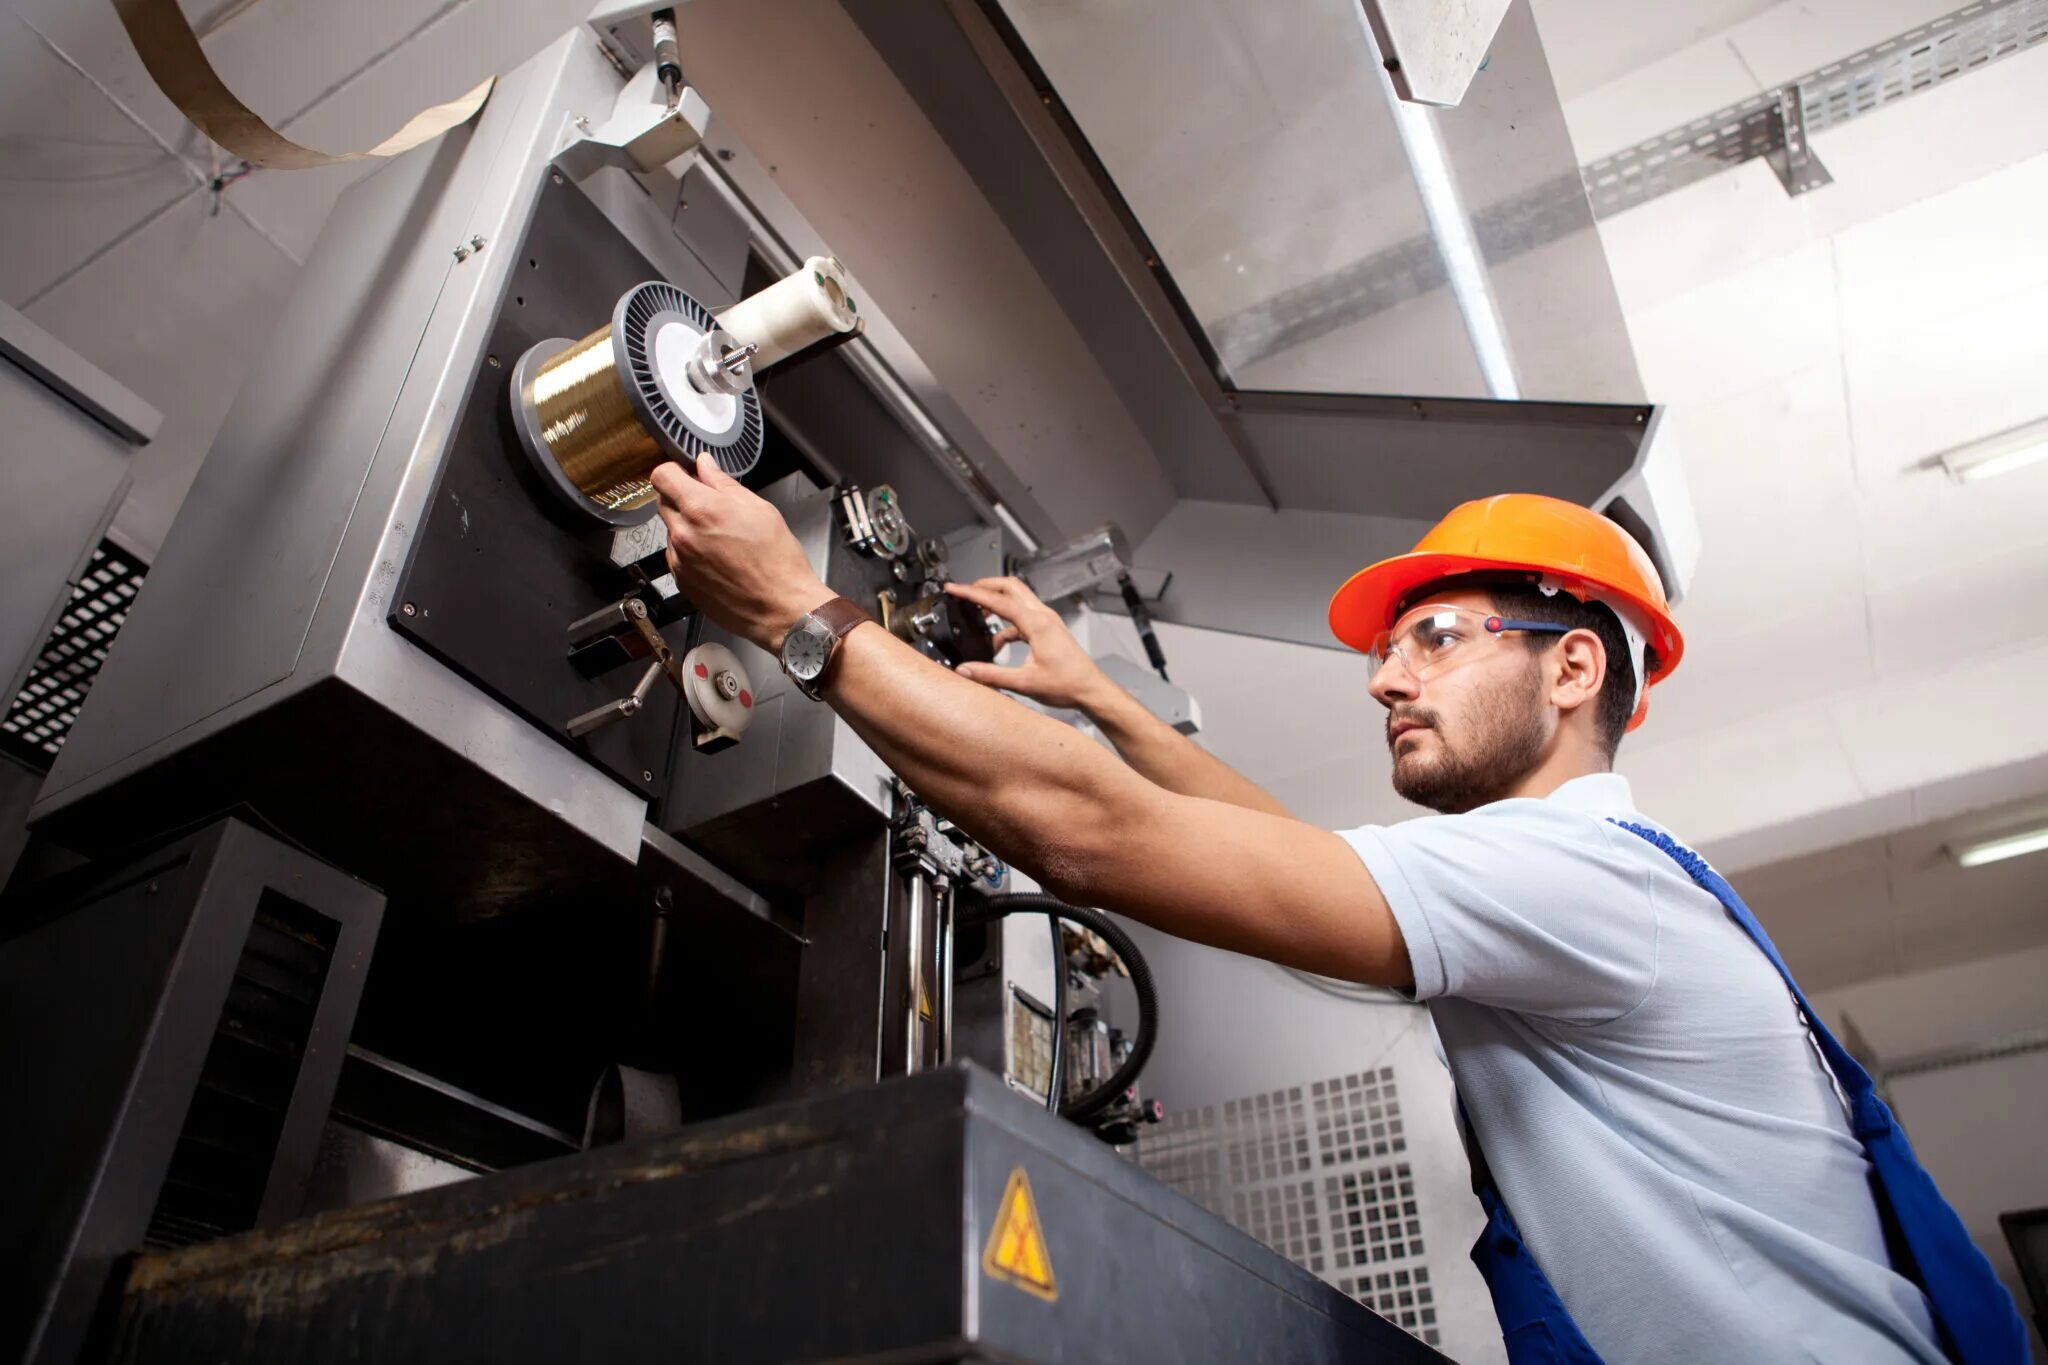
[1084, 1107]
[1056, 1064]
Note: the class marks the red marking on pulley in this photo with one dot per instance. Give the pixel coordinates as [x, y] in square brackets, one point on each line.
[702, 671]
[746, 698]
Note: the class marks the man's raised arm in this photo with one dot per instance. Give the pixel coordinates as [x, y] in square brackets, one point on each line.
[1058, 672]
[1033, 790]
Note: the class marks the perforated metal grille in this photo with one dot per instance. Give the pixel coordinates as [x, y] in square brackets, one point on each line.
[1400, 1296]
[1183, 1152]
[1304, 1169]
[41, 716]
[1916, 60]
[1373, 1215]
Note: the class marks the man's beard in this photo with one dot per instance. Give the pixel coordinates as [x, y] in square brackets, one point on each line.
[1503, 745]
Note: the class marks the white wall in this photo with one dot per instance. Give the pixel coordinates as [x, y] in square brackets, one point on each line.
[1980, 1128]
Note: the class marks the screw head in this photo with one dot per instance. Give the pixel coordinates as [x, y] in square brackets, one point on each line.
[646, 774]
[409, 609]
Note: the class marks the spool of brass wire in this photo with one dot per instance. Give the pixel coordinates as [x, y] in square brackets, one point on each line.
[596, 416]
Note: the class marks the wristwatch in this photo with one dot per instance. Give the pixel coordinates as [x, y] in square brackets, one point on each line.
[811, 649]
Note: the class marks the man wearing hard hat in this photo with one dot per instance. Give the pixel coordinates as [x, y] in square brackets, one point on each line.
[1697, 1170]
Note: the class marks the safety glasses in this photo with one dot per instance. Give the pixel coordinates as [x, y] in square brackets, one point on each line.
[1429, 638]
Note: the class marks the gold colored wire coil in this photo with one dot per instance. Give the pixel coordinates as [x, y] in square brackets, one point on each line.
[590, 427]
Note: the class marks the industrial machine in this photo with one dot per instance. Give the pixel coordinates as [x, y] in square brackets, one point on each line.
[444, 838]
[448, 837]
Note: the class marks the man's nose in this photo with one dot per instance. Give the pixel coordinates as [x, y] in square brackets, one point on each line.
[1393, 682]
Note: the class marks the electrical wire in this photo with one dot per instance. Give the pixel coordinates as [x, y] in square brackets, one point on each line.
[1085, 1107]
[1056, 1074]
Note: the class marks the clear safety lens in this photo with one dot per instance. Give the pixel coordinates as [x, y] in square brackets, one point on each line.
[1428, 637]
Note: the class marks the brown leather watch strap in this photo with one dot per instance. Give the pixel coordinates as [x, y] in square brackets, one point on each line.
[841, 615]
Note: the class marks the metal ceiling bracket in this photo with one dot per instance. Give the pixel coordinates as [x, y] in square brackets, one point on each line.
[1433, 48]
[1791, 155]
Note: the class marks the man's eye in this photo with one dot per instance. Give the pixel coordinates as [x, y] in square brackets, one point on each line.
[1440, 640]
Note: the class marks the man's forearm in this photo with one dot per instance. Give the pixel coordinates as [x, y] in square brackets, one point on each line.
[1166, 756]
[1022, 783]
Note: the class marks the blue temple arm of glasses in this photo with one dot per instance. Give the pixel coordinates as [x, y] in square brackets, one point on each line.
[1496, 624]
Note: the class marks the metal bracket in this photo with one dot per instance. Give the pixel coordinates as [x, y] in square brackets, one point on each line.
[1791, 155]
[644, 133]
[626, 624]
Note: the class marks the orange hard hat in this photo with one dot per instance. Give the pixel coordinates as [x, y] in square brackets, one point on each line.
[1575, 547]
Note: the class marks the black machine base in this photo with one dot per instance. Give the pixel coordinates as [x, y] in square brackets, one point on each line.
[877, 1224]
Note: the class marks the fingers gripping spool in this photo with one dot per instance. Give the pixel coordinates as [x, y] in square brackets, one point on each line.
[661, 382]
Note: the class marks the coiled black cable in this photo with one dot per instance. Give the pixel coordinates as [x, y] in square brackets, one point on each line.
[981, 909]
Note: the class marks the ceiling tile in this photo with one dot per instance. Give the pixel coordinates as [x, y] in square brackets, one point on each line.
[178, 312]
[75, 172]
[1592, 42]
[1791, 39]
[1924, 385]
[1950, 253]
[1752, 325]
[1771, 481]
[1654, 99]
[1958, 716]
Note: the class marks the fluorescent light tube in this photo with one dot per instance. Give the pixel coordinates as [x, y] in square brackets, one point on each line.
[1997, 850]
[1995, 455]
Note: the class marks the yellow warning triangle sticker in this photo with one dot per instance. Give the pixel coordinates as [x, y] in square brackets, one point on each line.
[1016, 1252]
[924, 1001]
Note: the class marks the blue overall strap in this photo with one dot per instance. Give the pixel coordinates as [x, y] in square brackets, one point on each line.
[1533, 1322]
[1978, 1323]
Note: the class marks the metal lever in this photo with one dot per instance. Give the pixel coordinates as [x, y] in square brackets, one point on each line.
[628, 705]
[609, 623]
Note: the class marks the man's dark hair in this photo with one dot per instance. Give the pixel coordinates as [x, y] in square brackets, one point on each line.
[1520, 597]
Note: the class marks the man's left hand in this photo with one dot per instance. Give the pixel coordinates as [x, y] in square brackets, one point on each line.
[733, 555]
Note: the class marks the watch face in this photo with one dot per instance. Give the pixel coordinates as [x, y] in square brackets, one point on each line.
[805, 651]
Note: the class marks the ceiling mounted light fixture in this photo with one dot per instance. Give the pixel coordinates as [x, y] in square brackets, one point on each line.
[1995, 455]
[1997, 850]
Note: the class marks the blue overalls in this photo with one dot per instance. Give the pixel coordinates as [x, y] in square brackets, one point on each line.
[1975, 1316]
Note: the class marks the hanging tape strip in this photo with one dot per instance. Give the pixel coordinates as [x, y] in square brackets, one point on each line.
[171, 52]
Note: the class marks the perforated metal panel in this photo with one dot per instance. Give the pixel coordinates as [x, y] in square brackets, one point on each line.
[1919, 59]
[1313, 1171]
[41, 716]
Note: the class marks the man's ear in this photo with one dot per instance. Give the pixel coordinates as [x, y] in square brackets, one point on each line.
[1578, 670]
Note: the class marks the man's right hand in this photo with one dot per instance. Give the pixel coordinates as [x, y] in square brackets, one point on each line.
[1057, 672]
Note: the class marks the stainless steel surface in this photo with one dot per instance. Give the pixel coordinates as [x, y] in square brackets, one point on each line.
[65, 475]
[77, 380]
[1262, 160]
[274, 580]
[793, 742]
[915, 1004]
[354, 1167]
[1433, 48]
[1089, 560]
[1792, 158]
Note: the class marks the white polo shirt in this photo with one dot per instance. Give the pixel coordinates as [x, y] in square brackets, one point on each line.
[1652, 1109]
